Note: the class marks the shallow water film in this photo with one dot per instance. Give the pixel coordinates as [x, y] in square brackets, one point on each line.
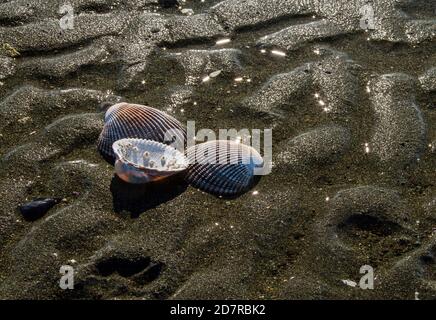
[347, 89]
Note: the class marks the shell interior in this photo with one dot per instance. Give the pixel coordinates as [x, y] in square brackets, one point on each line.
[149, 155]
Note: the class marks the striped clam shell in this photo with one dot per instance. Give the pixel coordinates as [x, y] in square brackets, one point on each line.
[125, 120]
[222, 167]
[142, 161]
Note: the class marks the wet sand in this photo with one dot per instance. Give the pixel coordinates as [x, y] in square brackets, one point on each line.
[354, 149]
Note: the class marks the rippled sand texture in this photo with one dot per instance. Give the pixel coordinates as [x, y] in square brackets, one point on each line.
[354, 148]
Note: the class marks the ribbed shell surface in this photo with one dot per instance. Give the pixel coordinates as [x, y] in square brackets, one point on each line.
[222, 167]
[126, 120]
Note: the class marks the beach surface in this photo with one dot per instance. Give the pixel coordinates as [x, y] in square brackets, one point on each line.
[347, 87]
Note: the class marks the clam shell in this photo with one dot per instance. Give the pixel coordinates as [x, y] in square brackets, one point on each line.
[142, 161]
[222, 167]
[125, 120]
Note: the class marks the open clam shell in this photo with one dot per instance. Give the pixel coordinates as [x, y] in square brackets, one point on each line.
[125, 120]
[221, 167]
[142, 161]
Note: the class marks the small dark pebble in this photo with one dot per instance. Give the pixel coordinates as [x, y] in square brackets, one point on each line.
[169, 3]
[35, 209]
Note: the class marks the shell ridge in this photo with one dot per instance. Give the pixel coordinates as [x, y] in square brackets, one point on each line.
[136, 121]
[222, 166]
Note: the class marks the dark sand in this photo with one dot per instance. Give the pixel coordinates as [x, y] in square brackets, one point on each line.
[331, 204]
